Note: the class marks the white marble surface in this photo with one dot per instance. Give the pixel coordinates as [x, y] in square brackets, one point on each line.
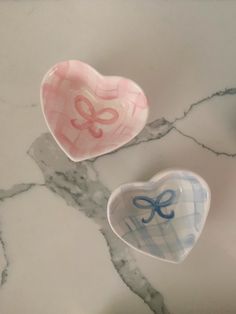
[53, 258]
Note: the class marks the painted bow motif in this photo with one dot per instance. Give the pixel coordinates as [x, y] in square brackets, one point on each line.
[86, 110]
[156, 205]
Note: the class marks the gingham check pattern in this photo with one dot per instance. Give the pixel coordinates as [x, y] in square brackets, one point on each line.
[167, 239]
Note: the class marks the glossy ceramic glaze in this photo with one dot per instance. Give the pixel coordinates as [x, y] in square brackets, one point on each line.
[89, 114]
[163, 217]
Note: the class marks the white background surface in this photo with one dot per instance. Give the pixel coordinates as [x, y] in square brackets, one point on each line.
[179, 52]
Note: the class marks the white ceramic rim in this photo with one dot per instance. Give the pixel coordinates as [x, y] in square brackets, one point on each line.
[156, 178]
[104, 77]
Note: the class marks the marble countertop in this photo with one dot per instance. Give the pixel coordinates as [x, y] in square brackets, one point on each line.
[57, 253]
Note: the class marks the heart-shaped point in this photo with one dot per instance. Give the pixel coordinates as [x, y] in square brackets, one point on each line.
[163, 217]
[89, 114]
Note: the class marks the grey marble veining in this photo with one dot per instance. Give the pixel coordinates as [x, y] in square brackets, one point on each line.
[15, 190]
[215, 115]
[220, 93]
[80, 186]
[57, 253]
[6, 261]
[5, 194]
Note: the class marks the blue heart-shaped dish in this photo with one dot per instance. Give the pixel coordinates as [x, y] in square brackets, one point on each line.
[163, 217]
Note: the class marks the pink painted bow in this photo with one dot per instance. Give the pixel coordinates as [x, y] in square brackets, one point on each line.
[86, 110]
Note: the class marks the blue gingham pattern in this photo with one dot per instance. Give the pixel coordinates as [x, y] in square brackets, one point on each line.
[167, 239]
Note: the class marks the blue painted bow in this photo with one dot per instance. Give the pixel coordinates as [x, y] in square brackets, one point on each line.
[156, 204]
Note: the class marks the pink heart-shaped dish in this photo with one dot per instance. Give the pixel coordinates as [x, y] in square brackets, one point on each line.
[89, 114]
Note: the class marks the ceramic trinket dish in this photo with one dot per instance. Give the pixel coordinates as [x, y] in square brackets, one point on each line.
[89, 114]
[163, 217]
